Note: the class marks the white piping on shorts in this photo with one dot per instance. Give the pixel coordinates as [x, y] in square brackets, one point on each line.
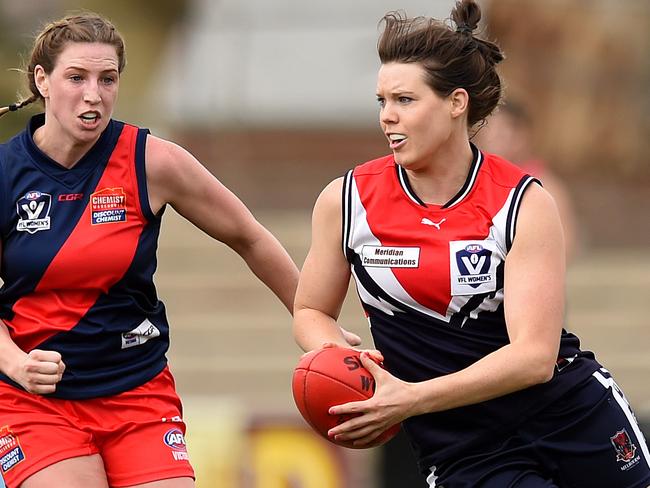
[625, 406]
[431, 479]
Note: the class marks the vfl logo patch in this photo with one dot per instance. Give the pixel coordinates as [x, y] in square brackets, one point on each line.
[34, 212]
[175, 440]
[473, 266]
[10, 451]
[108, 206]
[141, 334]
[390, 257]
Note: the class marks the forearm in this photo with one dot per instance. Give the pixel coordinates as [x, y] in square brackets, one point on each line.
[271, 263]
[312, 329]
[509, 369]
[10, 353]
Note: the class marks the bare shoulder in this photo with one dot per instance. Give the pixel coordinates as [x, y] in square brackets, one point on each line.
[171, 171]
[537, 199]
[330, 196]
[163, 156]
[538, 219]
[326, 218]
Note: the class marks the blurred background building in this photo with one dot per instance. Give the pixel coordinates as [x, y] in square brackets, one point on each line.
[277, 99]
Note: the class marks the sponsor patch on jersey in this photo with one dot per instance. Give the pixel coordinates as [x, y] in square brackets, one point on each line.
[70, 197]
[10, 451]
[108, 206]
[34, 212]
[473, 266]
[390, 257]
[175, 440]
[625, 450]
[141, 334]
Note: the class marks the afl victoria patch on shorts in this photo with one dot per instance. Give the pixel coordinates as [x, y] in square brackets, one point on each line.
[139, 434]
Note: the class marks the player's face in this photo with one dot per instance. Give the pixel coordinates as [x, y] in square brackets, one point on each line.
[416, 121]
[81, 90]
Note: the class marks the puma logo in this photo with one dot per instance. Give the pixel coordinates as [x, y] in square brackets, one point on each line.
[437, 225]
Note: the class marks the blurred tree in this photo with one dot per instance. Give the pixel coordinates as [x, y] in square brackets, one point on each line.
[584, 69]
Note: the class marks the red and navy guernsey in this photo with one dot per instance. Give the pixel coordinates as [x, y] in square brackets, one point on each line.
[430, 279]
[78, 258]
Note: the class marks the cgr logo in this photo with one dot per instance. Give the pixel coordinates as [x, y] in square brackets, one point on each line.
[33, 212]
[70, 197]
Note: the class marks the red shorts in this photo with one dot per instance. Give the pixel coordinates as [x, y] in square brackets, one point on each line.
[139, 434]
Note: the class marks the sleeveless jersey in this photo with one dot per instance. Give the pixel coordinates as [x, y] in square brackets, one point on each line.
[78, 257]
[430, 279]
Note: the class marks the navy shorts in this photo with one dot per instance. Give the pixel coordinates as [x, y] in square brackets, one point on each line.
[587, 439]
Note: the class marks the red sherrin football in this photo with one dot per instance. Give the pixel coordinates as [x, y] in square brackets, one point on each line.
[332, 376]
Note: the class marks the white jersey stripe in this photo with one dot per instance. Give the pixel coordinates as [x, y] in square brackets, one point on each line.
[470, 185]
[389, 283]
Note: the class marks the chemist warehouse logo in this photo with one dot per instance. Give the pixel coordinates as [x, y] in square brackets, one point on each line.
[108, 206]
[34, 212]
[10, 451]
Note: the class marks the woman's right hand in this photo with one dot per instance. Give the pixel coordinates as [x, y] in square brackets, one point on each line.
[39, 371]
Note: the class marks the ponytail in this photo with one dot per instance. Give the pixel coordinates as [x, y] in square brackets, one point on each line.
[15, 106]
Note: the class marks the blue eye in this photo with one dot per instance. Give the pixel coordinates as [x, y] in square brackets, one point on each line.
[404, 99]
[381, 101]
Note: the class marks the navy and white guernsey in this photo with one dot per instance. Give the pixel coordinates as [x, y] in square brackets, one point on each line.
[430, 279]
[78, 258]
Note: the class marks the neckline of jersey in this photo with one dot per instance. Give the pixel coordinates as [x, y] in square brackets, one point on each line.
[470, 180]
[95, 156]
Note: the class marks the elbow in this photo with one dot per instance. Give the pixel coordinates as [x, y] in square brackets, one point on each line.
[299, 329]
[541, 371]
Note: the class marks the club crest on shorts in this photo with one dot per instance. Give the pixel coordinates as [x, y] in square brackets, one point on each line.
[108, 206]
[473, 266]
[175, 440]
[34, 212]
[10, 451]
[623, 445]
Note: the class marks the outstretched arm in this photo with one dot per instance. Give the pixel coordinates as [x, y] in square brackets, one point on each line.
[174, 176]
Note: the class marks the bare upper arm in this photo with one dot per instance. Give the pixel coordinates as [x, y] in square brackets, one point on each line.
[177, 178]
[535, 274]
[325, 274]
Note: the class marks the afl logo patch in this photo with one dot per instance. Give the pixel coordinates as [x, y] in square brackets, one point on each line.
[34, 212]
[473, 266]
[175, 439]
[108, 206]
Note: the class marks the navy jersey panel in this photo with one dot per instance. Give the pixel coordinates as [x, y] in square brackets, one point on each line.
[430, 279]
[79, 254]
[25, 170]
[591, 440]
